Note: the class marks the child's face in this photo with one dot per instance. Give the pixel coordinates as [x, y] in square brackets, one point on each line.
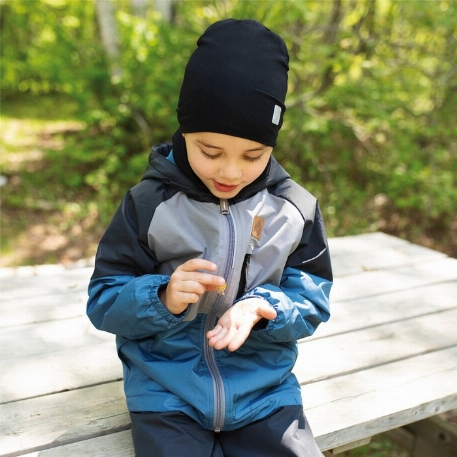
[225, 164]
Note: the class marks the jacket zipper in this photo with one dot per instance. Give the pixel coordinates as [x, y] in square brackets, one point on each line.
[218, 383]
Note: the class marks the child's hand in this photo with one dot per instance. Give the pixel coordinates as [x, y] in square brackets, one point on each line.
[236, 323]
[187, 283]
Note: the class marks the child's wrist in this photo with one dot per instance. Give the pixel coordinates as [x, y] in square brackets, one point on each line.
[175, 310]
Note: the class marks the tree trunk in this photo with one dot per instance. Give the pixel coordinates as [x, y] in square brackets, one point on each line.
[139, 7]
[165, 8]
[109, 34]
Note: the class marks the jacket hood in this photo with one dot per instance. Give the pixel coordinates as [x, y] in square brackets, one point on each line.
[162, 169]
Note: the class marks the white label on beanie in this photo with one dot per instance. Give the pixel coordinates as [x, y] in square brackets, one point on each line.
[276, 115]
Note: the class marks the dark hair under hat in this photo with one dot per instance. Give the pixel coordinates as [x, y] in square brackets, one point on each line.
[236, 82]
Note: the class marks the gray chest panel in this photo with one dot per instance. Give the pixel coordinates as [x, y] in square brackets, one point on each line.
[267, 227]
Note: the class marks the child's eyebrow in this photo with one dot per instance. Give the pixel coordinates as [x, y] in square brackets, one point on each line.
[259, 148]
[207, 145]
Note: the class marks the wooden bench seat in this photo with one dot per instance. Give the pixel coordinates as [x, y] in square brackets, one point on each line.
[387, 357]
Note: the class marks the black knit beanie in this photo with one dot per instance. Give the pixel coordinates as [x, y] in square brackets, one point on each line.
[236, 82]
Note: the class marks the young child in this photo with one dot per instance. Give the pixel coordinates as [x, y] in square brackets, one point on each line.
[215, 265]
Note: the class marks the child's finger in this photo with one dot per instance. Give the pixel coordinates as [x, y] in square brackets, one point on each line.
[231, 338]
[216, 333]
[198, 264]
[195, 271]
[268, 312]
[220, 289]
[210, 281]
[239, 338]
[220, 337]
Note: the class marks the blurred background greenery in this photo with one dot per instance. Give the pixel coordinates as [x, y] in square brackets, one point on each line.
[89, 86]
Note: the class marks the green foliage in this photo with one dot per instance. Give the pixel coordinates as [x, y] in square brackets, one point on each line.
[370, 125]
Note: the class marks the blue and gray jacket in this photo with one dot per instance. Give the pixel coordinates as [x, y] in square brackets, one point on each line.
[269, 242]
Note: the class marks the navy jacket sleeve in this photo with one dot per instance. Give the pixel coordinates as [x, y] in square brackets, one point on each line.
[123, 291]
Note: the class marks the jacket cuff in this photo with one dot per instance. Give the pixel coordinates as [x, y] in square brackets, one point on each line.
[264, 325]
[162, 309]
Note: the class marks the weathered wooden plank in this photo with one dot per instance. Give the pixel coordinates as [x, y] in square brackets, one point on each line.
[50, 337]
[350, 352]
[373, 413]
[45, 361]
[389, 307]
[54, 335]
[23, 311]
[363, 242]
[53, 293]
[63, 370]
[355, 254]
[43, 279]
[382, 423]
[115, 445]
[340, 410]
[369, 402]
[101, 409]
[382, 379]
[379, 279]
[366, 243]
[62, 418]
[40, 293]
[372, 283]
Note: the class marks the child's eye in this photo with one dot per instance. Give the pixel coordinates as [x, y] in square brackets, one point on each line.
[253, 159]
[209, 156]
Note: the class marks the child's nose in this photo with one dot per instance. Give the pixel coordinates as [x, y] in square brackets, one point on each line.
[230, 171]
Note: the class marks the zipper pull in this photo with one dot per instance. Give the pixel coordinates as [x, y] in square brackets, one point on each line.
[224, 206]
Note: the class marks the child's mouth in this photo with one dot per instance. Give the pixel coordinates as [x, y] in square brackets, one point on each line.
[224, 187]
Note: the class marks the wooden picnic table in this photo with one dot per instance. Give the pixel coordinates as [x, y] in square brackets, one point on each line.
[386, 358]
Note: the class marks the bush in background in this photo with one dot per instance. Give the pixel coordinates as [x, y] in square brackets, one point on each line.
[370, 125]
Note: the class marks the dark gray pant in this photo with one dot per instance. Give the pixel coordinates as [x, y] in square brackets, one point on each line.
[285, 433]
